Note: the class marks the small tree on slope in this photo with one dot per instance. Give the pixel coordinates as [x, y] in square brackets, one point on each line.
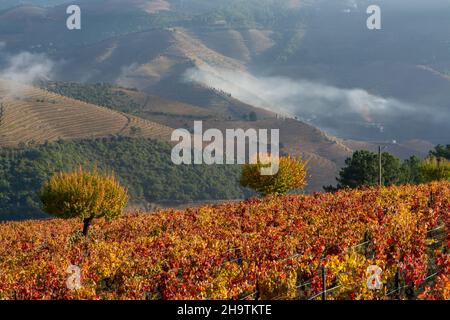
[290, 176]
[85, 195]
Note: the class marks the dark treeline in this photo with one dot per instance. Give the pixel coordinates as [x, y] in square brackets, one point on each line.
[102, 94]
[362, 169]
[142, 165]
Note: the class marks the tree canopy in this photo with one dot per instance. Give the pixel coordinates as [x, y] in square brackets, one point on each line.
[85, 195]
[290, 176]
[362, 169]
[441, 151]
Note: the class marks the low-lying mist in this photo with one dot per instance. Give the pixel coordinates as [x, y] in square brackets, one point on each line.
[348, 113]
[24, 68]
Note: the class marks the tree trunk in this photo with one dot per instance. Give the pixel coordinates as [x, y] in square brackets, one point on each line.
[86, 225]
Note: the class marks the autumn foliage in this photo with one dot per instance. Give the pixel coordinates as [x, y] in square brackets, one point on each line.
[272, 248]
[291, 175]
[85, 195]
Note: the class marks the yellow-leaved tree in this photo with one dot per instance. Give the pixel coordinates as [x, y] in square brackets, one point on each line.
[85, 195]
[435, 169]
[291, 175]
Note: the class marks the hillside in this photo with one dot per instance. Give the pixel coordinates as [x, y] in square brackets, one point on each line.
[31, 114]
[12, 3]
[44, 112]
[214, 104]
[325, 154]
[271, 249]
[144, 42]
[142, 59]
[152, 45]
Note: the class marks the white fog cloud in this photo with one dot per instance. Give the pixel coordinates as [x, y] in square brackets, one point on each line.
[24, 68]
[27, 68]
[331, 108]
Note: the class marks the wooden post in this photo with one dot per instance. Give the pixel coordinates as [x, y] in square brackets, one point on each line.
[380, 176]
[397, 284]
[409, 292]
[86, 224]
[324, 283]
[257, 294]
[431, 200]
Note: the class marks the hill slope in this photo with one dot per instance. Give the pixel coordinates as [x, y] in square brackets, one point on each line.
[325, 154]
[32, 114]
[151, 44]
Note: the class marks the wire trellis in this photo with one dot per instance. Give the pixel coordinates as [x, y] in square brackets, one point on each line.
[326, 290]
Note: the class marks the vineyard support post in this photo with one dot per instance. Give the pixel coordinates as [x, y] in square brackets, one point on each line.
[257, 294]
[397, 284]
[409, 292]
[380, 176]
[431, 200]
[324, 283]
[86, 224]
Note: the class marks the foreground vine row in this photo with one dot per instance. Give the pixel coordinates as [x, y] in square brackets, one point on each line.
[271, 249]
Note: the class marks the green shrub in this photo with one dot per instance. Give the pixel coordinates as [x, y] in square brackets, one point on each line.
[435, 169]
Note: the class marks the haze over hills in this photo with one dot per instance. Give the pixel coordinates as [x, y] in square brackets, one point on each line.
[12, 3]
[340, 86]
[33, 115]
[329, 69]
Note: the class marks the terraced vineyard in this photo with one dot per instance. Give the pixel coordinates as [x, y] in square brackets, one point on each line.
[32, 114]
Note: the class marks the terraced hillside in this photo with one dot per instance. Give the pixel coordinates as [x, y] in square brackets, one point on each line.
[325, 154]
[32, 114]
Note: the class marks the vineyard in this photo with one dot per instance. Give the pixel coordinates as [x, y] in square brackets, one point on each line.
[275, 248]
[38, 115]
